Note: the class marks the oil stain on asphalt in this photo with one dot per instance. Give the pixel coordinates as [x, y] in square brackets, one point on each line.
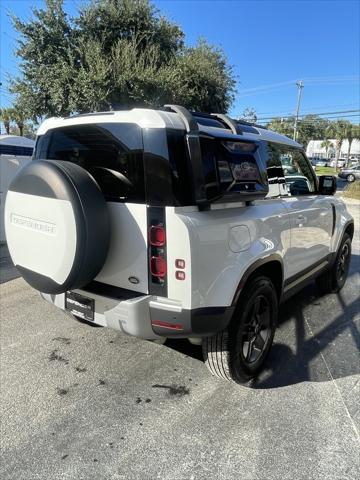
[174, 390]
[139, 400]
[63, 340]
[55, 356]
[80, 369]
[62, 391]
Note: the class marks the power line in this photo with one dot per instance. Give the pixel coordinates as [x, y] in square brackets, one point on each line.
[313, 122]
[307, 114]
[311, 81]
[289, 109]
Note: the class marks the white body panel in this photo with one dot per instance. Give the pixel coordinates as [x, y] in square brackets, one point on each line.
[219, 245]
[311, 221]
[342, 218]
[127, 256]
[222, 244]
[48, 232]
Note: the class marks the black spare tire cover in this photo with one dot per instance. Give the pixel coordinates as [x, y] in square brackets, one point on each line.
[57, 225]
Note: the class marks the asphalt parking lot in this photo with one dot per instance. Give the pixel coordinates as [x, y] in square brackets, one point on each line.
[87, 403]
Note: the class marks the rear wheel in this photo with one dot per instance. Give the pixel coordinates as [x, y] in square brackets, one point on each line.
[333, 280]
[239, 352]
[350, 178]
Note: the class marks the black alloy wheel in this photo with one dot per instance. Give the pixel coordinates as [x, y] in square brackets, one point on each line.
[239, 352]
[256, 332]
[343, 263]
[334, 278]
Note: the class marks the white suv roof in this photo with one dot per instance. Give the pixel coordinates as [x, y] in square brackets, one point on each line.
[149, 118]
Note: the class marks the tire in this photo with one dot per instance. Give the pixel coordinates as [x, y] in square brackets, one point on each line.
[229, 354]
[57, 225]
[334, 279]
[350, 178]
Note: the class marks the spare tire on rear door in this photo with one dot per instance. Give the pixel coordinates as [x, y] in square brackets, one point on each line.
[57, 225]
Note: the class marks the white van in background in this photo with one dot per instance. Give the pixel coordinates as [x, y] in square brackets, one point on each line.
[15, 152]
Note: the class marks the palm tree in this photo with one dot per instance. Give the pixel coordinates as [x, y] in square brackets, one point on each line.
[6, 118]
[352, 133]
[17, 115]
[327, 144]
[338, 131]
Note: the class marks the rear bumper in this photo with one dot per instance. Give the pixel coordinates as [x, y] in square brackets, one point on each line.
[151, 317]
[168, 319]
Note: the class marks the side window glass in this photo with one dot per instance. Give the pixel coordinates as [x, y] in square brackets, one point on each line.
[298, 175]
[274, 170]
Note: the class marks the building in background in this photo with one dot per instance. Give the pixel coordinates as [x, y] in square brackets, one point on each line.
[15, 152]
[315, 150]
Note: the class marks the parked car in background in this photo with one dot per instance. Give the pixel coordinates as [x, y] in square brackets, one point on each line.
[340, 163]
[350, 173]
[320, 162]
[15, 152]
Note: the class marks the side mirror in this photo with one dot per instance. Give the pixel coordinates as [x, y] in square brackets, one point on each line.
[327, 185]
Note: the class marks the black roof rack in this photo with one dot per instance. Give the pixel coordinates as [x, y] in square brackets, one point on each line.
[234, 127]
[228, 122]
[244, 122]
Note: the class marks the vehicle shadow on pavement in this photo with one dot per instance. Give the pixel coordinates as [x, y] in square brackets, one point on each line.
[302, 337]
[301, 358]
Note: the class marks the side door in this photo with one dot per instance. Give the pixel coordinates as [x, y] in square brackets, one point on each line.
[310, 214]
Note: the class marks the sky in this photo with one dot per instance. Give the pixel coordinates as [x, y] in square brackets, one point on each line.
[271, 45]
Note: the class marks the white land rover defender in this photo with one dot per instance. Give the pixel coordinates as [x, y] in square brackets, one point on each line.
[166, 223]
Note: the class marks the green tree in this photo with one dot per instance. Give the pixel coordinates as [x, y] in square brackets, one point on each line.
[29, 130]
[6, 118]
[249, 115]
[282, 126]
[47, 63]
[200, 79]
[18, 116]
[115, 52]
[352, 132]
[108, 21]
[311, 127]
[327, 144]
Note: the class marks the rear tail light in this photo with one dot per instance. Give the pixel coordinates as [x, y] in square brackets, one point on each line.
[157, 236]
[157, 251]
[158, 267]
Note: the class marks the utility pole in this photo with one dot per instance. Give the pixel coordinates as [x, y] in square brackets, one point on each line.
[300, 86]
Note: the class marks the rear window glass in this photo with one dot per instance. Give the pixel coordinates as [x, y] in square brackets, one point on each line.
[111, 152]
